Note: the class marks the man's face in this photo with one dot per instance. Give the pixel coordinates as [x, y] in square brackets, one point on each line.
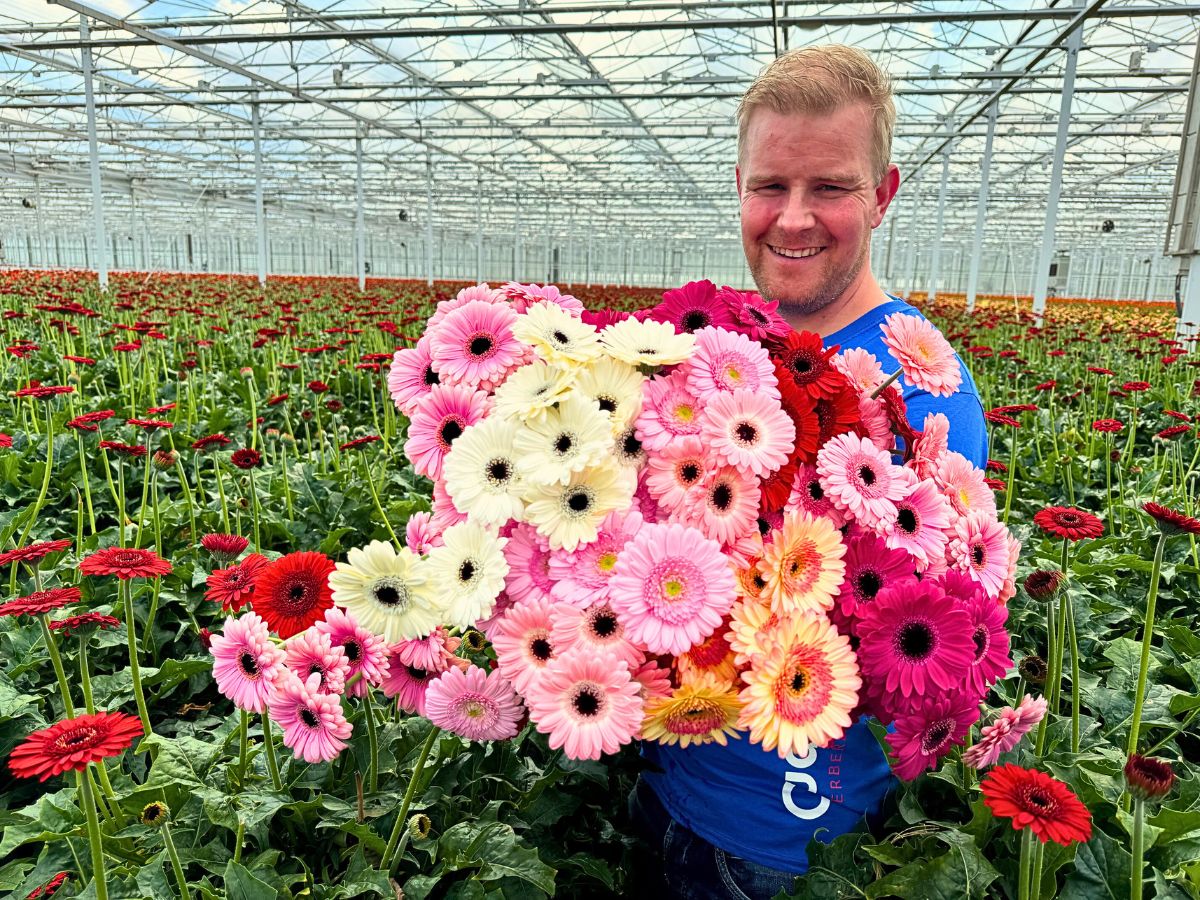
[809, 202]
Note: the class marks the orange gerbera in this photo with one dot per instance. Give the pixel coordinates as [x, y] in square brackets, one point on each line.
[803, 565]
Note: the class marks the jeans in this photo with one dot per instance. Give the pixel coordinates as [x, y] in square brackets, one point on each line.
[677, 863]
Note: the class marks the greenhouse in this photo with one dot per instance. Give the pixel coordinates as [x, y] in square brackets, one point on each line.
[600, 448]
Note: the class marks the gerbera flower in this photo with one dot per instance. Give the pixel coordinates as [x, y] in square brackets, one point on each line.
[930, 446]
[409, 672]
[861, 369]
[1034, 800]
[40, 602]
[801, 690]
[439, 421]
[522, 642]
[533, 389]
[233, 587]
[125, 563]
[929, 732]
[1068, 523]
[669, 412]
[991, 659]
[1171, 521]
[1042, 584]
[1147, 777]
[803, 355]
[245, 661]
[672, 587]
[225, 548]
[803, 565]
[809, 496]
[523, 295]
[725, 361]
[313, 653]
[389, 592]
[919, 528]
[980, 547]
[528, 555]
[753, 316]
[915, 640]
[468, 572]
[366, 652]
[33, 553]
[580, 577]
[314, 726]
[246, 458]
[647, 343]
[586, 704]
[50, 888]
[1107, 426]
[474, 345]
[293, 592]
[964, 486]
[711, 656]
[570, 514]
[871, 567]
[750, 622]
[702, 711]
[473, 704]
[859, 478]
[724, 506]
[925, 356]
[748, 431]
[653, 680]
[691, 307]
[615, 387]
[73, 625]
[69, 745]
[480, 472]
[596, 629]
[419, 533]
[556, 335]
[1005, 733]
[412, 376]
[573, 435]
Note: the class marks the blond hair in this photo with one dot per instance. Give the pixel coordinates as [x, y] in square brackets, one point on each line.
[820, 80]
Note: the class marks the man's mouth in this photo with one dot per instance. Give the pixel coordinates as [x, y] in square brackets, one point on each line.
[794, 252]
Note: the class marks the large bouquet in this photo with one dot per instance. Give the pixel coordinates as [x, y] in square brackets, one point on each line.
[684, 525]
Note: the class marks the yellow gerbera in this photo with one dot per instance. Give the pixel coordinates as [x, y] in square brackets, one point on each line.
[701, 711]
[750, 620]
[803, 565]
[802, 689]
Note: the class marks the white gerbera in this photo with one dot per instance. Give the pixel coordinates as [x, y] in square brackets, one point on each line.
[616, 387]
[480, 472]
[468, 571]
[531, 390]
[570, 514]
[388, 592]
[648, 343]
[556, 335]
[569, 437]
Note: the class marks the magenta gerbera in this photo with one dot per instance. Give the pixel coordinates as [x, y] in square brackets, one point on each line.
[473, 704]
[725, 361]
[245, 662]
[365, 651]
[528, 555]
[808, 495]
[859, 478]
[411, 666]
[438, 422]
[314, 726]
[747, 430]
[991, 659]
[474, 344]
[929, 732]
[871, 567]
[586, 704]
[312, 653]
[692, 307]
[753, 316]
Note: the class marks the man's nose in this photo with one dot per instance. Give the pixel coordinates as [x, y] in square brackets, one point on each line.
[797, 213]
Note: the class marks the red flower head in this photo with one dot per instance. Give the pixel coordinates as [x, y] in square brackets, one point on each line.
[246, 458]
[44, 391]
[233, 587]
[5, 440]
[293, 592]
[1134, 387]
[1173, 431]
[360, 442]
[1107, 426]
[318, 387]
[72, 624]
[212, 442]
[124, 449]
[1034, 800]
[1068, 522]
[1148, 777]
[1043, 584]
[41, 602]
[33, 553]
[150, 424]
[1171, 521]
[50, 888]
[71, 744]
[276, 400]
[807, 360]
[225, 547]
[125, 563]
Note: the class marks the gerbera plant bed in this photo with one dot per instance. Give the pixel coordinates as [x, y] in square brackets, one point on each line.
[318, 593]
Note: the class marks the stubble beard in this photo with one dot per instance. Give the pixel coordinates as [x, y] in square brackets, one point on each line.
[832, 286]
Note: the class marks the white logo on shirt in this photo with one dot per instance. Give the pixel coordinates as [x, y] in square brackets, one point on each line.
[791, 779]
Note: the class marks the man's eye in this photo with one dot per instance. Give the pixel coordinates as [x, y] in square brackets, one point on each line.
[831, 187]
[770, 187]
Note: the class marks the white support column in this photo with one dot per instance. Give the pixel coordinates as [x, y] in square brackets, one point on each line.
[1041, 281]
[41, 231]
[99, 241]
[479, 234]
[935, 264]
[360, 230]
[981, 207]
[910, 282]
[260, 217]
[518, 247]
[588, 266]
[429, 217]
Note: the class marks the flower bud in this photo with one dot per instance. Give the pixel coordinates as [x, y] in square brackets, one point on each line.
[164, 460]
[1043, 584]
[1148, 777]
[419, 826]
[155, 814]
[1033, 669]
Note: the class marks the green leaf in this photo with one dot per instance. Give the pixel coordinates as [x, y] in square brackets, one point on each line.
[1125, 655]
[960, 873]
[1101, 871]
[497, 851]
[420, 886]
[240, 884]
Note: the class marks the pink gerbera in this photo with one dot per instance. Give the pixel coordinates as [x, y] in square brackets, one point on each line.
[980, 548]
[580, 576]
[412, 376]
[587, 704]
[871, 567]
[445, 514]
[963, 485]
[1005, 733]
[672, 588]
[675, 470]
[365, 651]
[692, 307]
[919, 528]
[313, 724]
[596, 629]
[669, 411]
[808, 495]
[653, 679]
[419, 534]
[724, 506]
[473, 704]
[245, 662]
[931, 446]
[411, 666]
[439, 421]
[725, 361]
[522, 643]
[470, 294]
[991, 659]
[524, 296]
[528, 555]
[875, 422]
[859, 478]
[474, 345]
[312, 653]
[747, 430]
[861, 369]
[753, 316]
[915, 640]
[924, 354]
[929, 732]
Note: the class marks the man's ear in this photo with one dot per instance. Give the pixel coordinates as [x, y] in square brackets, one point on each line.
[885, 191]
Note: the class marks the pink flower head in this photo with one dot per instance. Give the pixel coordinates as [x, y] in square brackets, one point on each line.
[692, 307]
[675, 470]
[587, 704]
[980, 548]
[412, 665]
[419, 534]
[871, 568]
[438, 423]
[653, 679]
[1005, 733]
[925, 735]
[245, 662]
[876, 423]
[859, 478]
[991, 659]
[523, 644]
[314, 726]
[469, 294]
[528, 555]
[723, 507]
[922, 517]
[473, 704]
[474, 345]
[861, 369]
[580, 577]
[311, 652]
[365, 651]
[925, 356]
[808, 495]
[725, 361]
[669, 411]
[931, 446]
[672, 588]
[445, 514]
[747, 430]
[753, 316]
[963, 485]
[524, 296]
[411, 376]
[596, 629]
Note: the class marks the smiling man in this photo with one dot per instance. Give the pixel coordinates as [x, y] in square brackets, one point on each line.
[814, 178]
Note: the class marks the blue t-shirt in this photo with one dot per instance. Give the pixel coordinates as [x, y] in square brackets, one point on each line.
[748, 801]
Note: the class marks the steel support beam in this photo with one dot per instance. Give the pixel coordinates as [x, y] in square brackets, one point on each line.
[429, 219]
[260, 216]
[935, 264]
[99, 241]
[360, 231]
[981, 207]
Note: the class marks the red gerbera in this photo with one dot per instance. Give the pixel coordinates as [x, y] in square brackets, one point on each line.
[318, 387]
[41, 602]
[1069, 523]
[88, 421]
[1000, 419]
[124, 562]
[150, 424]
[71, 744]
[33, 552]
[233, 587]
[359, 442]
[1107, 426]
[246, 458]
[124, 449]
[1134, 387]
[50, 888]
[72, 624]
[225, 547]
[293, 592]
[276, 400]
[807, 359]
[1171, 521]
[801, 409]
[5, 440]
[44, 391]
[1173, 431]
[212, 442]
[1034, 800]
[1148, 777]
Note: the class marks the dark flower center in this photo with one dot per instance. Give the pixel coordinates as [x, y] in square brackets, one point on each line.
[907, 520]
[868, 584]
[978, 554]
[695, 319]
[689, 473]
[296, 594]
[561, 338]
[498, 470]
[630, 445]
[80, 737]
[867, 475]
[722, 497]
[309, 718]
[746, 433]
[451, 429]
[248, 663]
[915, 641]
[579, 502]
[1040, 801]
[605, 624]
[431, 377]
[417, 674]
[586, 702]
[757, 316]
[608, 404]
[815, 491]
[387, 595]
[480, 345]
[540, 648]
[466, 571]
[802, 365]
[936, 735]
[353, 651]
[563, 443]
[799, 681]
[983, 640]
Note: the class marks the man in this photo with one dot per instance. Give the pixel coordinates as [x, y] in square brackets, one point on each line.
[814, 178]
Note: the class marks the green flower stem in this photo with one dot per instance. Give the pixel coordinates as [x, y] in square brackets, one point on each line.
[135, 670]
[272, 762]
[1139, 696]
[1137, 863]
[221, 492]
[1108, 448]
[41, 497]
[175, 864]
[1012, 472]
[1051, 679]
[187, 493]
[373, 740]
[243, 746]
[56, 661]
[121, 501]
[238, 840]
[149, 634]
[87, 482]
[1075, 686]
[146, 475]
[1025, 869]
[402, 818]
[883, 387]
[252, 390]
[85, 681]
[88, 802]
[254, 512]
[378, 506]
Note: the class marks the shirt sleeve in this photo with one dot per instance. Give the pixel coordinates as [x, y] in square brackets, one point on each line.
[968, 432]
